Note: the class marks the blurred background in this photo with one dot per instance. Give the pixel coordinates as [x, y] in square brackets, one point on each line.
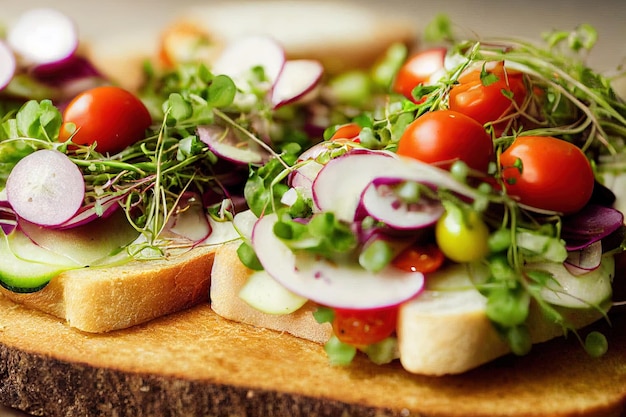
[523, 18]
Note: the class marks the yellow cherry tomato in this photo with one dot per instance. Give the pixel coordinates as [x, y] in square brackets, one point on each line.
[462, 235]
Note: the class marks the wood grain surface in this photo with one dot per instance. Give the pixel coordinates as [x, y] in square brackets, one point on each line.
[196, 363]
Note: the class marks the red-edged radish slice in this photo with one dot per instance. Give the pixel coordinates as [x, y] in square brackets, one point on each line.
[330, 283]
[298, 79]
[43, 36]
[383, 204]
[190, 221]
[243, 55]
[101, 208]
[583, 260]
[340, 184]
[226, 144]
[7, 65]
[46, 188]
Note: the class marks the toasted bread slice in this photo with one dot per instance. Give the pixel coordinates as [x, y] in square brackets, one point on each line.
[99, 300]
[445, 330]
[229, 276]
[342, 36]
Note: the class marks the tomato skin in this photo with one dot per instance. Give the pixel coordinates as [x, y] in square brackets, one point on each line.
[348, 131]
[554, 175]
[110, 116]
[487, 103]
[420, 258]
[444, 136]
[364, 327]
[462, 237]
[417, 70]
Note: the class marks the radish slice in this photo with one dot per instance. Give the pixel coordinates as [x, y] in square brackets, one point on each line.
[330, 283]
[226, 144]
[102, 208]
[297, 79]
[190, 220]
[584, 260]
[240, 57]
[383, 204]
[46, 188]
[43, 36]
[339, 186]
[7, 65]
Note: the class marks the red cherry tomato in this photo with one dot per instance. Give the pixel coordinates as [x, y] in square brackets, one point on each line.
[442, 137]
[547, 173]
[364, 327]
[348, 131]
[417, 70]
[488, 103]
[109, 116]
[420, 258]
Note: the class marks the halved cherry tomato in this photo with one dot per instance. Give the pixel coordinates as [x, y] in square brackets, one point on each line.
[109, 116]
[547, 173]
[488, 102]
[417, 70]
[420, 258]
[442, 137]
[348, 131]
[364, 327]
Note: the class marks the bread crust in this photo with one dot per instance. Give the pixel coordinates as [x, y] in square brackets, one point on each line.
[196, 363]
[100, 300]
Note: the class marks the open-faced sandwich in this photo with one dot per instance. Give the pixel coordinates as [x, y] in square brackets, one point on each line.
[437, 209]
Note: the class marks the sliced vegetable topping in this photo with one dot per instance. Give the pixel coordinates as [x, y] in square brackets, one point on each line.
[43, 36]
[297, 79]
[7, 65]
[329, 283]
[46, 188]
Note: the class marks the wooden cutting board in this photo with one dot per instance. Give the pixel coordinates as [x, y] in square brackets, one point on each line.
[197, 364]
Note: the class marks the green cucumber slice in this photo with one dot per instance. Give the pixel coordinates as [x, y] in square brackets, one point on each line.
[265, 294]
[89, 244]
[26, 267]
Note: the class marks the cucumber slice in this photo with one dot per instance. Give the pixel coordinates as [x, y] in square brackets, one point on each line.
[262, 292]
[26, 267]
[578, 291]
[87, 245]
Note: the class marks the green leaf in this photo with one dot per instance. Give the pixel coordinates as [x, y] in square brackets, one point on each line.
[439, 29]
[508, 307]
[324, 315]
[39, 120]
[222, 91]
[376, 255]
[179, 108]
[339, 353]
[382, 352]
[248, 257]
[518, 338]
